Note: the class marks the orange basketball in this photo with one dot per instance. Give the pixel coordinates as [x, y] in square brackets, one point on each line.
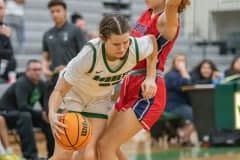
[78, 132]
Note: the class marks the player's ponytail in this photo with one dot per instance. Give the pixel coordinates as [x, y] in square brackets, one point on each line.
[183, 5]
[116, 24]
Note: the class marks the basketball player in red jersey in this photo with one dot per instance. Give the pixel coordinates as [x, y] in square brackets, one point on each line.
[132, 111]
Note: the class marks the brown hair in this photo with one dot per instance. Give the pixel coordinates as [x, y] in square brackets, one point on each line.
[213, 67]
[232, 69]
[183, 5]
[116, 24]
[53, 3]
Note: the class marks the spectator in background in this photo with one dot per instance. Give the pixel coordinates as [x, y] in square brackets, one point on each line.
[177, 102]
[60, 44]
[15, 19]
[205, 72]
[6, 152]
[17, 108]
[234, 68]
[78, 20]
[6, 51]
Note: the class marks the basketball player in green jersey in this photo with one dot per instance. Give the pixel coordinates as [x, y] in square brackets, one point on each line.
[87, 82]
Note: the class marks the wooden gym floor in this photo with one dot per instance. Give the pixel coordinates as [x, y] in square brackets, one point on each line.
[143, 150]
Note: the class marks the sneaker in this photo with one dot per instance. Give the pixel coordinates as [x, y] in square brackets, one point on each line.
[10, 157]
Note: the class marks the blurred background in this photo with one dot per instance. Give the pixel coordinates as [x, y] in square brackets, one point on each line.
[210, 30]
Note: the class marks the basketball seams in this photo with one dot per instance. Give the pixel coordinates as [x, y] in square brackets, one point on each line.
[77, 129]
[67, 136]
[87, 134]
[80, 141]
[61, 143]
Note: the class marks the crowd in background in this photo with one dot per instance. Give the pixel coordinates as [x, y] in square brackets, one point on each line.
[60, 44]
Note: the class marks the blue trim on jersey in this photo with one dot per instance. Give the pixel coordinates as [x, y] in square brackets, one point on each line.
[161, 42]
[142, 107]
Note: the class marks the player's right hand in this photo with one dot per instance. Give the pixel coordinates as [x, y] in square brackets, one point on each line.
[149, 88]
[56, 125]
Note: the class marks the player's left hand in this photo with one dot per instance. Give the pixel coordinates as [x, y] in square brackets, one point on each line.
[149, 88]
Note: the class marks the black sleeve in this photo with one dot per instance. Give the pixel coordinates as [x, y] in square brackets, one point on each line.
[80, 38]
[22, 89]
[43, 91]
[6, 52]
[44, 43]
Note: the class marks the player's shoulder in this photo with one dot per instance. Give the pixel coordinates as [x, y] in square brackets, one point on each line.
[91, 48]
[96, 42]
[141, 40]
[134, 44]
[147, 12]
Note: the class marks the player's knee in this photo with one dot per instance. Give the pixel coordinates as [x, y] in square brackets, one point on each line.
[90, 154]
[103, 146]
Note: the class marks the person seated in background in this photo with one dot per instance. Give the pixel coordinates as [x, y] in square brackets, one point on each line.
[17, 108]
[234, 68]
[6, 152]
[177, 102]
[205, 72]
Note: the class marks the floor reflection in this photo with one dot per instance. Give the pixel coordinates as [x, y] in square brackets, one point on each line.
[141, 148]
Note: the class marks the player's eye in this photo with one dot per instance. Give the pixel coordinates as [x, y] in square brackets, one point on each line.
[116, 44]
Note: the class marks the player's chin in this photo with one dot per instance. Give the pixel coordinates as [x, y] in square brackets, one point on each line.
[120, 55]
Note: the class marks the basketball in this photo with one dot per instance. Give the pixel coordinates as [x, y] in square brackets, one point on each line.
[78, 132]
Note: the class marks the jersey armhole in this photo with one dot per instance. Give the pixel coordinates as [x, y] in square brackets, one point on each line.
[136, 49]
[94, 56]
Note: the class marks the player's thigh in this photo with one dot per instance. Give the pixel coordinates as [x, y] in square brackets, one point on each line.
[122, 127]
[98, 126]
[97, 112]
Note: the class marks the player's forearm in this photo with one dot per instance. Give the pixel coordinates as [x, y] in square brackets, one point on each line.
[59, 92]
[152, 60]
[55, 101]
[168, 22]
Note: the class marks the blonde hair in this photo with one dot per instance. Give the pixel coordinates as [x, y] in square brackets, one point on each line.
[174, 60]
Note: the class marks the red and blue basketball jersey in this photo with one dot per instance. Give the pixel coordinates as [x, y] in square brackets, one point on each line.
[147, 111]
[147, 25]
